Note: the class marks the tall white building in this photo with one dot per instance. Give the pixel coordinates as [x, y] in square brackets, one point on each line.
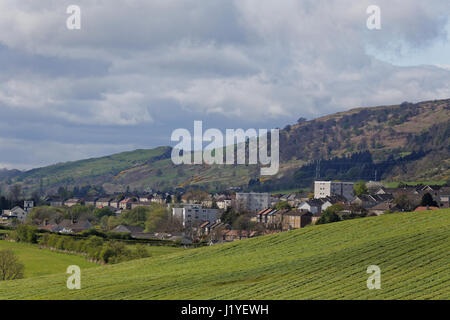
[191, 214]
[253, 201]
[324, 189]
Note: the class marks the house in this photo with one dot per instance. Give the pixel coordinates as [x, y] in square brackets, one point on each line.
[332, 200]
[115, 202]
[16, 212]
[367, 201]
[134, 231]
[145, 197]
[126, 203]
[158, 198]
[296, 219]
[232, 235]
[312, 205]
[262, 216]
[127, 229]
[54, 201]
[90, 201]
[72, 202]
[104, 202]
[224, 204]
[444, 200]
[382, 207]
[49, 227]
[141, 204]
[70, 226]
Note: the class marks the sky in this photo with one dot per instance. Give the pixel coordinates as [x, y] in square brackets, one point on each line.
[137, 70]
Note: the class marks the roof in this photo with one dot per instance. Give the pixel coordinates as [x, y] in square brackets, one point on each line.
[204, 224]
[73, 200]
[426, 208]
[386, 205]
[105, 199]
[315, 202]
[298, 213]
[128, 229]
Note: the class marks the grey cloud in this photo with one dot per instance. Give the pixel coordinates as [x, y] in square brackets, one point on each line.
[137, 70]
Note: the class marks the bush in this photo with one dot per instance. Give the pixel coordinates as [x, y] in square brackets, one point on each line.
[24, 233]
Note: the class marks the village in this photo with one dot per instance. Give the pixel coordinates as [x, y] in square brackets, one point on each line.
[197, 216]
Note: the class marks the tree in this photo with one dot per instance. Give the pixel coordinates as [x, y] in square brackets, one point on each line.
[24, 233]
[404, 202]
[10, 267]
[360, 188]
[283, 205]
[427, 200]
[157, 219]
[99, 213]
[15, 192]
[301, 120]
[331, 214]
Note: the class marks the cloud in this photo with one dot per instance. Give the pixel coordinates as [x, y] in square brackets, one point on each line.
[136, 69]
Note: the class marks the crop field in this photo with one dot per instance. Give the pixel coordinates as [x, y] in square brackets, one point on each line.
[39, 262]
[156, 251]
[318, 262]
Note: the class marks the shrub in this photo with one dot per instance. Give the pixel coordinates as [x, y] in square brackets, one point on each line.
[25, 233]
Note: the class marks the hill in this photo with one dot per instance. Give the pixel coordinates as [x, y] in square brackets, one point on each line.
[319, 262]
[409, 142]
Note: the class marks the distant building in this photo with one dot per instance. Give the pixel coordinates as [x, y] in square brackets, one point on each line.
[16, 212]
[28, 205]
[323, 189]
[191, 214]
[253, 201]
[72, 202]
[70, 226]
[104, 202]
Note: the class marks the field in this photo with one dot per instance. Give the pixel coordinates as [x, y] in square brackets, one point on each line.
[319, 262]
[40, 262]
[156, 251]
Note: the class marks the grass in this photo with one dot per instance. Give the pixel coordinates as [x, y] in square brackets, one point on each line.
[157, 251]
[414, 183]
[40, 262]
[319, 262]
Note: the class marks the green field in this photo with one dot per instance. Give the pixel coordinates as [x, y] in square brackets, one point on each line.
[156, 251]
[40, 262]
[319, 262]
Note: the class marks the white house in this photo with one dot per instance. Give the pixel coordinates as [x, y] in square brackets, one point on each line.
[313, 205]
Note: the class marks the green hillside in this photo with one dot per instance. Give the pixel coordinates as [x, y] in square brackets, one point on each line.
[319, 262]
[406, 142]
